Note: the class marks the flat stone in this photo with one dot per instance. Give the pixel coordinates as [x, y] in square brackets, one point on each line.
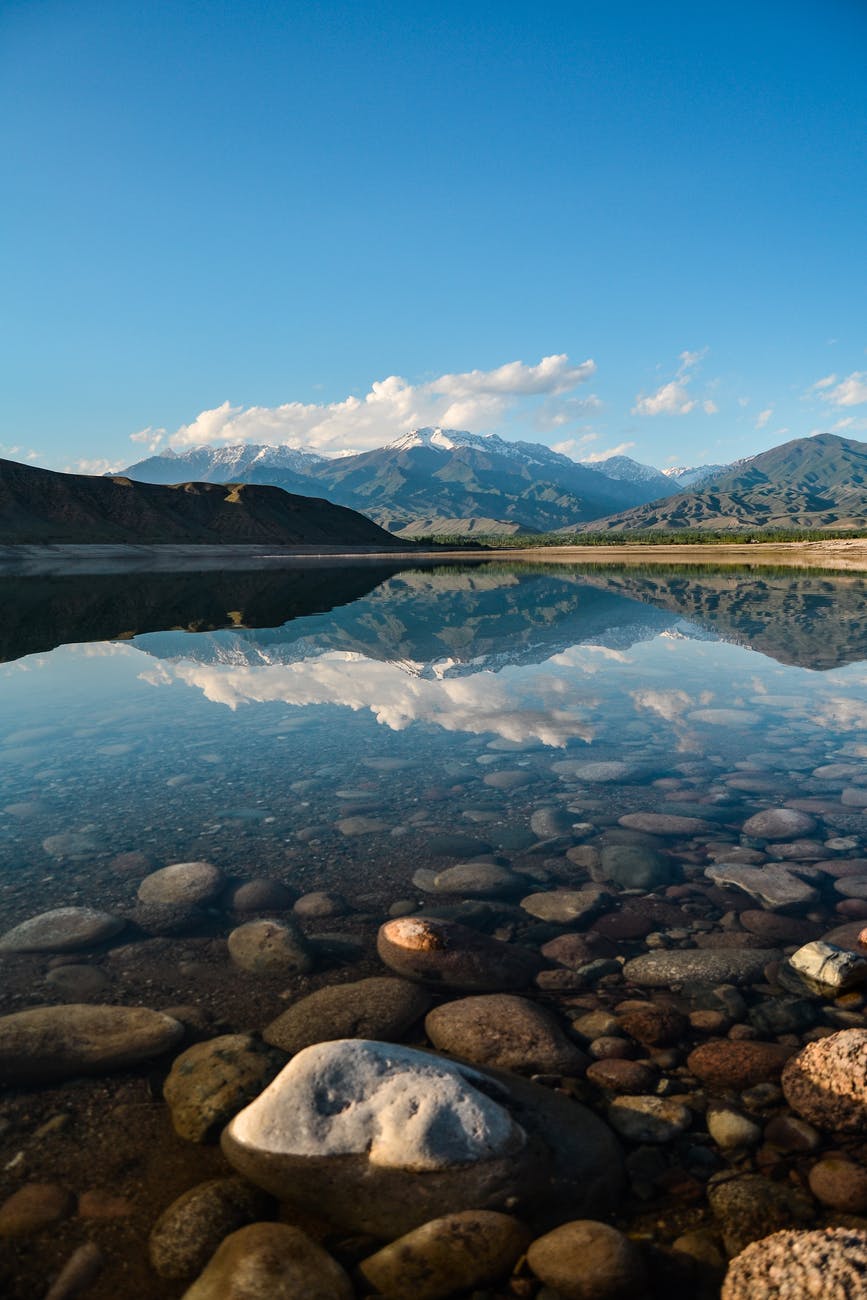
[829, 969]
[588, 1260]
[62, 930]
[777, 928]
[78, 983]
[852, 886]
[72, 844]
[182, 883]
[774, 886]
[458, 1252]
[594, 773]
[507, 780]
[506, 1032]
[679, 966]
[648, 1119]
[380, 1139]
[830, 1263]
[210, 1082]
[734, 718]
[665, 824]
[452, 955]
[382, 1008]
[352, 826]
[271, 1261]
[49, 1044]
[779, 824]
[190, 1230]
[826, 1083]
[477, 880]
[567, 906]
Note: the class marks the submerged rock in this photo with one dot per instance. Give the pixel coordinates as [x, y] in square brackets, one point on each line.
[830, 1263]
[826, 1083]
[455, 1253]
[779, 824]
[381, 1139]
[270, 948]
[774, 886]
[382, 1007]
[188, 1232]
[62, 930]
[679, 966]
[505, 1032]
[271, 1261]
[450, 954]
[828, 969]
[49, 1044]
[588, 1260]
[183, 884]
[211, 1081]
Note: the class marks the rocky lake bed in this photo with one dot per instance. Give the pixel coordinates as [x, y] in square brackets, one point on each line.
[356, 1009]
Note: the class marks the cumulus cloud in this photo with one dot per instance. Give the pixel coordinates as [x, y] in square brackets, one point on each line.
[674, 398]
[851, 391]
[151, 437]
[571, 446]
[620, 450]
[97, 465]
[474, 399]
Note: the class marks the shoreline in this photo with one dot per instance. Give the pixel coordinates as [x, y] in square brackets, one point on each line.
[34, 559]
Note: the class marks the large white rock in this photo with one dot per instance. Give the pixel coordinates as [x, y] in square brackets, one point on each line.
[380, 1138]
[829, 968]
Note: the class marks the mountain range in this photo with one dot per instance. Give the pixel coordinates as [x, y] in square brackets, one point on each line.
[445, 481]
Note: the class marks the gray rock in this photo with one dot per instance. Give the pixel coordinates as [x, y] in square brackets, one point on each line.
[78, 983]
[271, 1261]
[776, 888]
[567, 906]
[320, 905]
[656, 823]
[73, 844]
[50, 1044]
[548, 823]
[381, 1139]
[184, 884]
[382, 1007]
[186, 1234]
[779, 824]
[633, 866]
[270, 948]
[211, 1081]
[748, 1207]
[505, 1032]
[261, 895]
[63, 930]
[828, 969]
[685, 966]
[458, 1252]
[476, 880]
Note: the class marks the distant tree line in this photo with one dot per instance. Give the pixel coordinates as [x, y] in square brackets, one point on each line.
[679, 537]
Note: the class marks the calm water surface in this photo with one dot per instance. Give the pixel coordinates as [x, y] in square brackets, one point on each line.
[299, 700]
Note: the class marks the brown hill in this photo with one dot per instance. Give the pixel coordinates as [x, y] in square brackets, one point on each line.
[39, 505]
[818, 482]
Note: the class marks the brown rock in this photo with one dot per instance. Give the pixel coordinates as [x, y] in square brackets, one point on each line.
[828, 1263]
[505, 1032]
[826, 1083]
[33, 1207]
[651, 1024]
[635, 1077]
[455, 1253]
[271, 1261]
[454, 956]
[840, 1184]
[779, 929]
[587, 1260]
[722, 1063]
[382, 1008]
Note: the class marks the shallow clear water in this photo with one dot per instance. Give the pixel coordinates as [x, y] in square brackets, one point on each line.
[248, 744]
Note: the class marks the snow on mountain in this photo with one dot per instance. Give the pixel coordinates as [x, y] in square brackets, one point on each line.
[630, 471]
[692, 475]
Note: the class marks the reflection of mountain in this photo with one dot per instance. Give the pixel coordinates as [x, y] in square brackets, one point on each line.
[457, 619]
[40, 613]
[443, 619]
[813, 620]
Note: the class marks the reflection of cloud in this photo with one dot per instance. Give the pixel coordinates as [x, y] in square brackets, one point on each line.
[580, 656]
[668, 704]
[513, 703]
[842, 714]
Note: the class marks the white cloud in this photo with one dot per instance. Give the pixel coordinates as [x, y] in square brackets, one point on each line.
[851, 391]
[620, 450]
[475, 399]
[674, 398]
[151, 437]
[99, 465]
[17, 453]
[671, 399]
[822, 383]
[763, 417]
[570, 446]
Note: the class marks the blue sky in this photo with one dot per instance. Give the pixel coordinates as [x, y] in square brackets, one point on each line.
[597, 225]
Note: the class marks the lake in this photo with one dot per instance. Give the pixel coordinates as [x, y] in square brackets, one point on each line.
[349, 734]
